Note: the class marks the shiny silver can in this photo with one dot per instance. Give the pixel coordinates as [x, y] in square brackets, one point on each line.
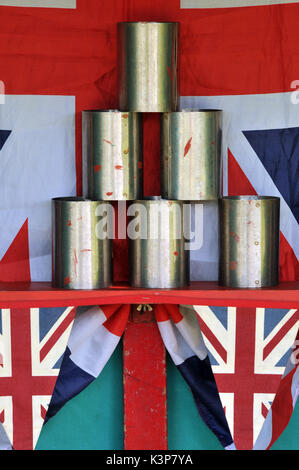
[157, 231]
[112, 155]
[191, 155]
[82, 254]
[147, 66]
[249, 241]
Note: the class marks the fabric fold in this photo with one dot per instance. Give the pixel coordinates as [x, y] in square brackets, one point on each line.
[183, 340]
[95, 335]
[283, 404]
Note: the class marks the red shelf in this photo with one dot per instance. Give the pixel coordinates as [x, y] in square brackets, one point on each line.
[42, 294]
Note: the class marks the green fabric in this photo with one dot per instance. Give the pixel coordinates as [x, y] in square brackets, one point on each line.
[94, 419]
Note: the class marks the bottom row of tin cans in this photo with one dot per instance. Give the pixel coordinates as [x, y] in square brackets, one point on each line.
[159, 234]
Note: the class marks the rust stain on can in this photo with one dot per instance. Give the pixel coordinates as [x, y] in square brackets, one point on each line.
[233, 265]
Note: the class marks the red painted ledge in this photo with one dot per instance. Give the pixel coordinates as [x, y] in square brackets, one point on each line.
[42, 294]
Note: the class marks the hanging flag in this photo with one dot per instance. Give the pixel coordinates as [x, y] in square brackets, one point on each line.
[183, 340]
[283, 404]
[248, 349]
[5, 443]
[32, 343]
[232, 359]
[95, 334]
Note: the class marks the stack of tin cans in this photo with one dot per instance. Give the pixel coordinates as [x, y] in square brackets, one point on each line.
[190, 172]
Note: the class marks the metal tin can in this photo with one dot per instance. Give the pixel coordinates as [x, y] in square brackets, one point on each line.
[81, 256]
[147, 66]
[112, 155]
[249, 241]
[157, 230]
[191, 154]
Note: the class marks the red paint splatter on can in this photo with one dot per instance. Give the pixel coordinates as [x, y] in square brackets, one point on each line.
[176, 253]
[118, 167]
[107, 141]
[235, 236]
[213, 143]
[67, 280]
[97, 168]
[85, 249]
[69, 223]
[187, 146]
[75, 262]
[125, 116]
[109, 193]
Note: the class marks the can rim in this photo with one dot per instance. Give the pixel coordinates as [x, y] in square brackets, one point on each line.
[102, 111]
[249, 197]
[147, 22]
[158, 199]
[199, 110]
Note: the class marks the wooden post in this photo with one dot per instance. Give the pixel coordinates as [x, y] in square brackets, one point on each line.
[144, 374]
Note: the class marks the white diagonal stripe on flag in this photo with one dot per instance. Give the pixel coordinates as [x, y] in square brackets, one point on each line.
[39, 3]
[231, 3]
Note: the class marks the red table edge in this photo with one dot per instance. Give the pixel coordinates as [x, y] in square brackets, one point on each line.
[42, 294]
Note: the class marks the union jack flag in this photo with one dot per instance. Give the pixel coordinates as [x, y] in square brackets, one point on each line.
[32, 343]
[249, 349]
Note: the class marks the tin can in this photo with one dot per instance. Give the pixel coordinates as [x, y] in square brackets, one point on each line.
[147, 66]
[157, 231]
[191, 155]
[82, 254]
[112, 155]
[249, 241]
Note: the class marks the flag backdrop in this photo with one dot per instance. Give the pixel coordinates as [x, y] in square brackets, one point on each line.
[58, 58]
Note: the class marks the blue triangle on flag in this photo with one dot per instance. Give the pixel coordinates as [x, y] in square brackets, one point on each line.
[3, 137]
[273, 316]
[278, 150]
